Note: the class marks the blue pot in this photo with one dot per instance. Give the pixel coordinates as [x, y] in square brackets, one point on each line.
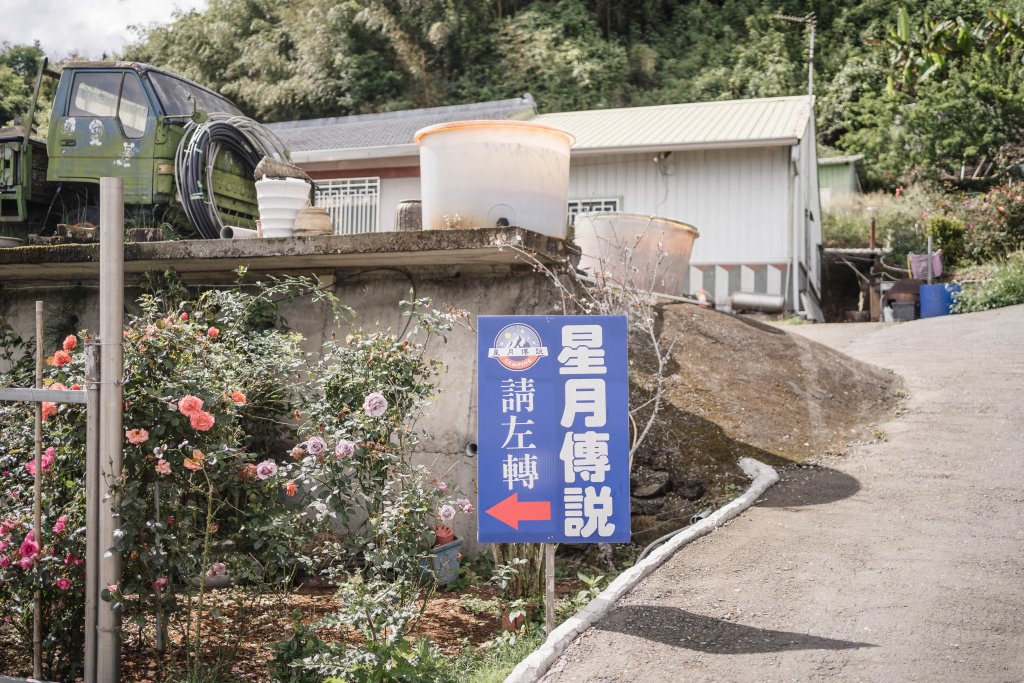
[446, 562]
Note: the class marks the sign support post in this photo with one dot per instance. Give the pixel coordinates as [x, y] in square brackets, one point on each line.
[549, 587]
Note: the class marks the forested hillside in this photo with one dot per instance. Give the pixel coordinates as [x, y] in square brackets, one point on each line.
[932, 89]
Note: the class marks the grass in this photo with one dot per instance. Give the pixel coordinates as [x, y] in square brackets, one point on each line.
[495, 663]
[1003, 285]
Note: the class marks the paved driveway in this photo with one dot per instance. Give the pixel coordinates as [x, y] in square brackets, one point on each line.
[900, 561]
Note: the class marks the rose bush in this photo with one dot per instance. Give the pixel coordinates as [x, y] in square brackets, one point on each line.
[212, 387]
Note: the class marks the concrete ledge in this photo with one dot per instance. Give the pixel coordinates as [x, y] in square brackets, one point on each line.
[431, 247]
[537, 663]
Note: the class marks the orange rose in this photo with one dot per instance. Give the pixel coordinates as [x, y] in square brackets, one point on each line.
[137, 436]
[201, 421]
[190, 405]
[70, 342]
[238, 397]
[290, 488]
[49, 409]
[213, 333]
[195, 463]
[61, 358]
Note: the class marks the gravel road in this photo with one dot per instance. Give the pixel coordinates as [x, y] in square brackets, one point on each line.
[902, 560]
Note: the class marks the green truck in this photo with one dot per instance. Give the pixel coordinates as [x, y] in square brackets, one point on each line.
[130, 120]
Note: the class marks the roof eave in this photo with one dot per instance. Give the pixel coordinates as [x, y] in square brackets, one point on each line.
[353, 154]
[687, 147]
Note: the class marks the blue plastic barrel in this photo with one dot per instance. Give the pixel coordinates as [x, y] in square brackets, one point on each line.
[937, 299]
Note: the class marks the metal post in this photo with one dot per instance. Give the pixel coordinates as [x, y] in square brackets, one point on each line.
[549, 587]
[92, 502]
[930, 272]
[108, 646]
[37, 518]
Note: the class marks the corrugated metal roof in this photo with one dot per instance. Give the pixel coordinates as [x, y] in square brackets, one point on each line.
[389, 128]
[732, 123]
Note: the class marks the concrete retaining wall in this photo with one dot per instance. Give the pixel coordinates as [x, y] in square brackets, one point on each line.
[474, 270]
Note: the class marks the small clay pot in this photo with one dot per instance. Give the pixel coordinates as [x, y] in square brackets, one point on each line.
[443, 535]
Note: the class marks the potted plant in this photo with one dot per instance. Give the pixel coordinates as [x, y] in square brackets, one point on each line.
[444, 551]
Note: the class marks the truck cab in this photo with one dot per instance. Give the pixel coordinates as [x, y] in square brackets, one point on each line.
[126, 119]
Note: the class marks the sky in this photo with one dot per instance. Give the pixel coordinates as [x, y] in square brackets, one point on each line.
[87, 27]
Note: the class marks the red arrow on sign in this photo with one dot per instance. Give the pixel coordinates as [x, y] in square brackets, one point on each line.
[511, 511]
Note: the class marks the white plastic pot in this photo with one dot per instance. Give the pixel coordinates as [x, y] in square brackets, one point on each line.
[633, 250]
[280, 200]
[485, 174]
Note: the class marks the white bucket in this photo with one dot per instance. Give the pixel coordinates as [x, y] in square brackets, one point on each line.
[485, 174]
[280, 200]
[637, 251]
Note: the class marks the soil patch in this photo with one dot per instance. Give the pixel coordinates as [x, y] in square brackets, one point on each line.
[738, 387]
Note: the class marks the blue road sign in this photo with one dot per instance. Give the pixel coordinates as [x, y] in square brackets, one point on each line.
[552, 429]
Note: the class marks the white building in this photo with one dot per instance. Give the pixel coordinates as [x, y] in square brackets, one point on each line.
[743, 172]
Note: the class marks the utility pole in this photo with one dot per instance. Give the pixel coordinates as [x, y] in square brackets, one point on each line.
[800, 227]
[811, 23]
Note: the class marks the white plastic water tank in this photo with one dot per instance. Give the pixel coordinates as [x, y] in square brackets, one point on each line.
[477, 174]
[634, 250]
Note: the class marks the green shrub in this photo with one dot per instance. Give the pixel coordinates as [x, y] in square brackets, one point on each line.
[1004, 288]
[948, 235]
[899, 220]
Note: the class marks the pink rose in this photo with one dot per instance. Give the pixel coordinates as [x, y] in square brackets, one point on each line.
[446, 513]
[188, 405]
[25, 562]
[440, 485]
[5, 562]
[316, 446]
[29, 548]
[163, 467]
[465, 504]
[62, 584]
[238, 397]
[344, 449]
[201, 421]
[375, 404]
[61, 525]
[159, 584]
[266, 469]
[213, 333]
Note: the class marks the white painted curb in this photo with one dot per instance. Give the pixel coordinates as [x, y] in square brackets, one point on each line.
[540, 660]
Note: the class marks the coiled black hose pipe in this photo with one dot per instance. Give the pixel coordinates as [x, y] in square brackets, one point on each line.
[246, 139]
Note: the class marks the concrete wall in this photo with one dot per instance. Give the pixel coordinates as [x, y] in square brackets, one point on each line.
[490, 282]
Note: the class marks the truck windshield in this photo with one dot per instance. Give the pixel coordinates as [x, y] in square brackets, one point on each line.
[174, 95]
[108, 94]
